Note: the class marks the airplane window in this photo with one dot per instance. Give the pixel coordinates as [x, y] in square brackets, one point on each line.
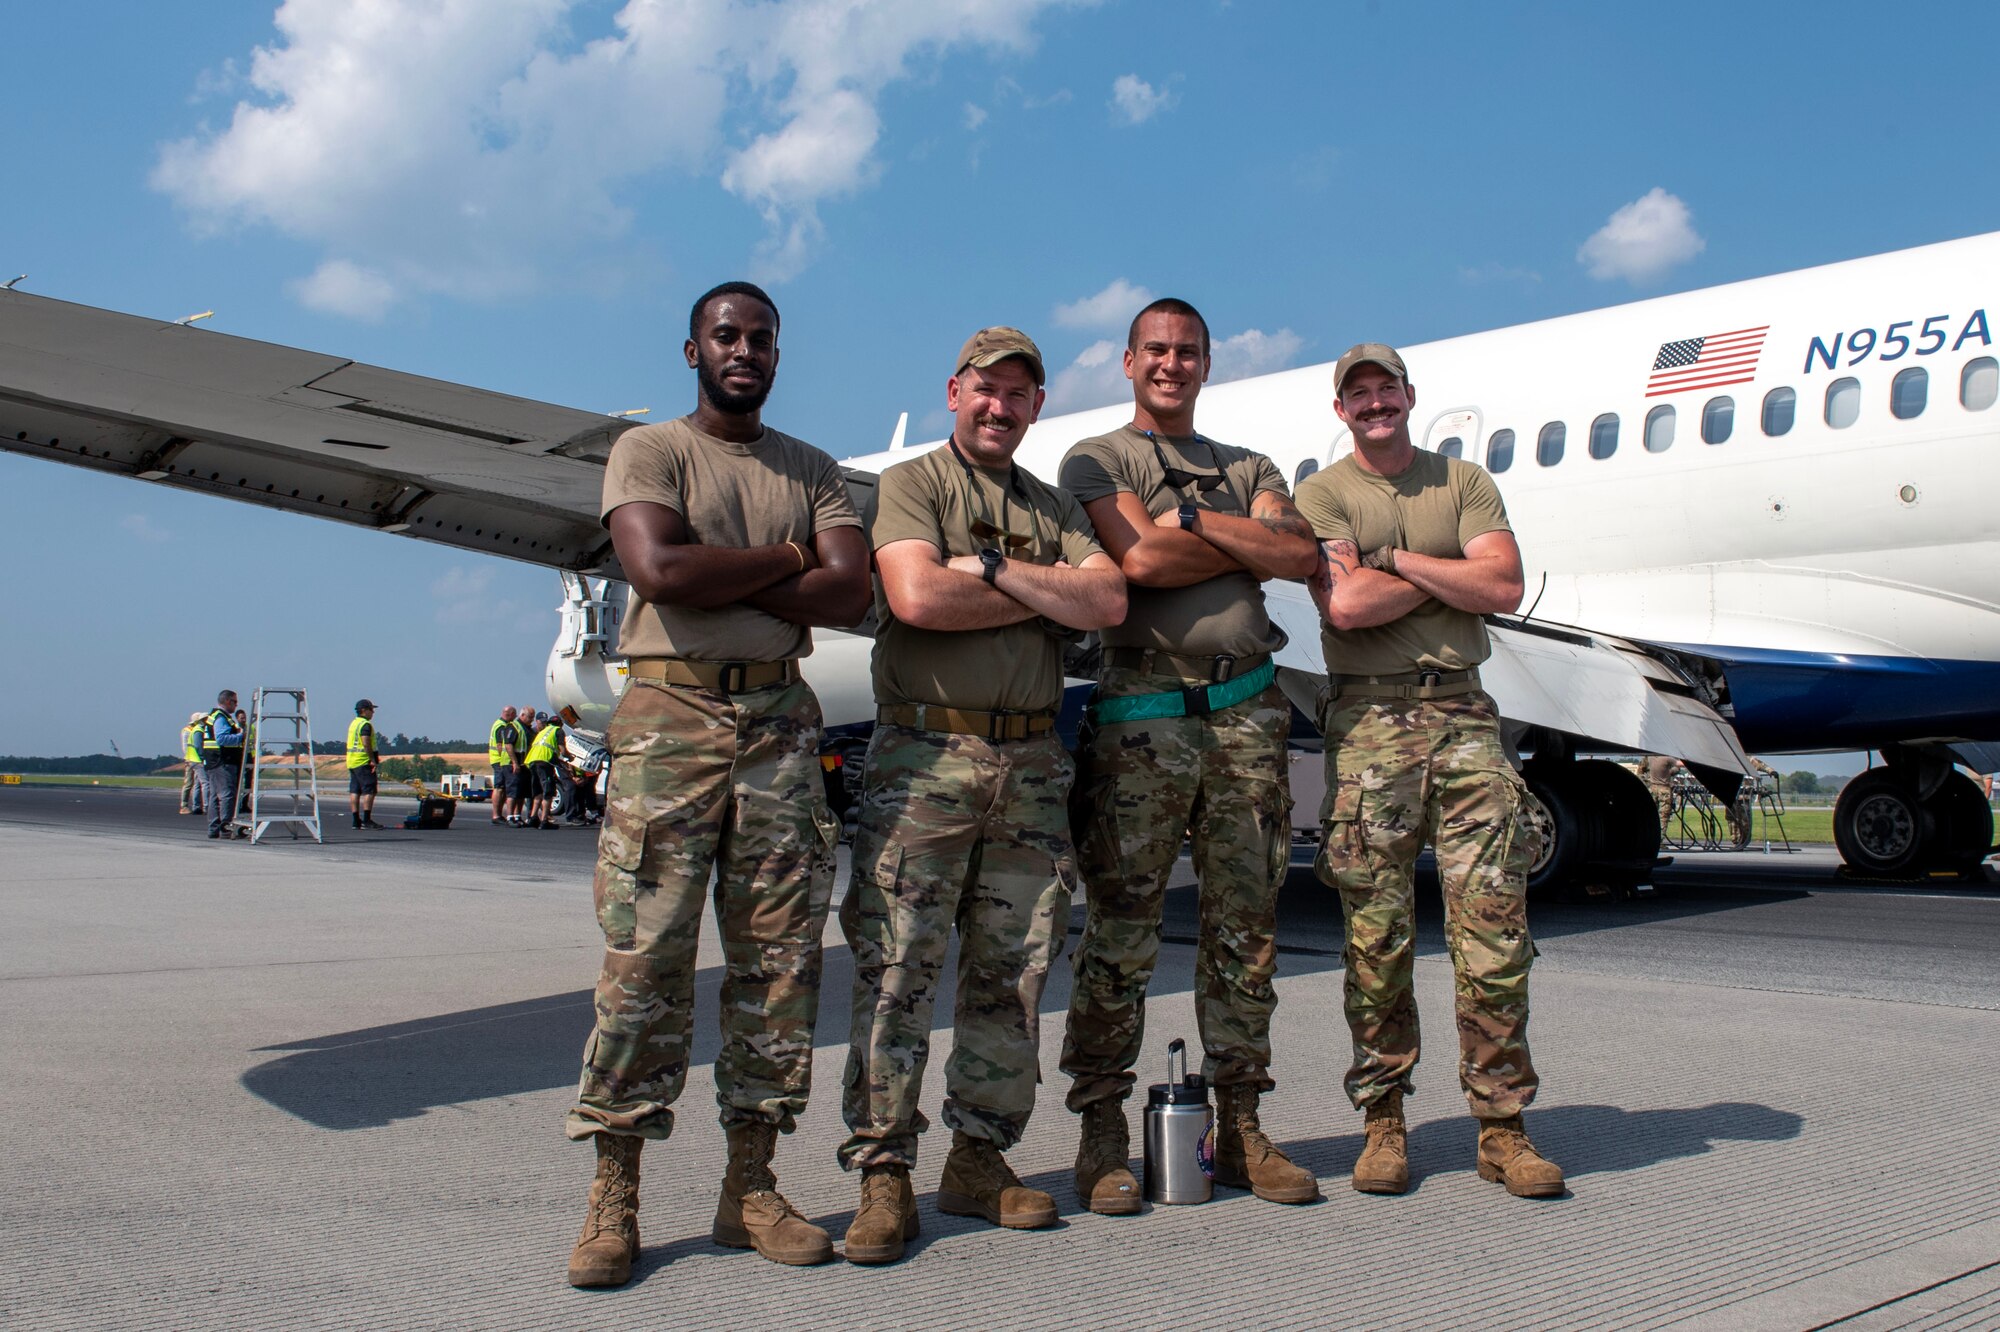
[1718, 418]
[1604, 435]
[1660, 428]
[1499, 450]
[1780, 406]
[1453, 447]
[1979, 384]
[1908, 392]
[1549, 445]
[1306, 469]
[1843, 402]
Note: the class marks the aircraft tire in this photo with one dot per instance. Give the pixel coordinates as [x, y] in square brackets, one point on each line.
[1881, 828]
[1964, 825]
[1627, 821]
[1560, 814]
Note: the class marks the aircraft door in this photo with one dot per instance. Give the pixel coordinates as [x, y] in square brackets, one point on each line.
[1455, 433]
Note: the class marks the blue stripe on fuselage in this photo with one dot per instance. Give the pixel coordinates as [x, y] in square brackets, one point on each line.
[1795, 702]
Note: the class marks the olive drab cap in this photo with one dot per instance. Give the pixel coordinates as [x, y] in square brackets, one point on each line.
[1369, 353]
[990, 346]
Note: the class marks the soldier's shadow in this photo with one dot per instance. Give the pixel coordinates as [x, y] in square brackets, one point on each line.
[1583, 1139]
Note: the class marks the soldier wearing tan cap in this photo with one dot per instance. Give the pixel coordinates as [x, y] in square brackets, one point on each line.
[982, 573]
[1414, 549]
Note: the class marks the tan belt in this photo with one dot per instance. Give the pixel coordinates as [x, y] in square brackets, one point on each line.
[1211, 670]
[1414, 684]
[726, 677]
[986, 725]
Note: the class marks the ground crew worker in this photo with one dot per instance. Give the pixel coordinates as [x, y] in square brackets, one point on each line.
[501, 751]
[1660, 769]
[221, 760]
[363, 763]
[542, 769]
[1414, 549]
[983, 572]
[1185, 738]
[524, 787]
[734, 538]
[193, 792]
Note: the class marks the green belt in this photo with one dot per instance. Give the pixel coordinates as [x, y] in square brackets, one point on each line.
[1196, 702]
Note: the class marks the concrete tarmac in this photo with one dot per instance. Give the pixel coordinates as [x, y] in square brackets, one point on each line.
[322, 1086]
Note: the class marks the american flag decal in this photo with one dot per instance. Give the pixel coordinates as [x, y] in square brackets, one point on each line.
[1707, 362]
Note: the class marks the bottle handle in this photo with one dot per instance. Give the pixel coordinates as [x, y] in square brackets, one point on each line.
[1176, 1047]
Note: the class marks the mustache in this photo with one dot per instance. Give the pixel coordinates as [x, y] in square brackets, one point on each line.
[996, 422]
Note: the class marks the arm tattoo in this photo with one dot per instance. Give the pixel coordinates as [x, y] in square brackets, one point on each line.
[1284, 517]
[1336, 561]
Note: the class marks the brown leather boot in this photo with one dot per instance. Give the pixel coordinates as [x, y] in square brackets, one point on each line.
[1104, 1182]
[888, 1216]
[1384, 1166]
[1246, 1159]
[610, 1241]
[1507, 1157]
[978, 1182]
[753, 1214]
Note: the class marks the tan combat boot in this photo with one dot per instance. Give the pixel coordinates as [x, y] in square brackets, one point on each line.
[1246, 1159]
[1384, 1166]
[1507, 1157]
[753, 1214]
[978, 1182]
[888, 1216]
[610, 1241]
[1104, 1182]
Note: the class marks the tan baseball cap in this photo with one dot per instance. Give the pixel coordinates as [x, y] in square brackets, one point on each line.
[990, 346]
[1369, 353]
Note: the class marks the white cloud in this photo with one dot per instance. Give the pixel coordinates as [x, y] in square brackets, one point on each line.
[1642, 240]
[475, 148]
[144, 528]
[1135, 101]
[342, 288]
[1111, 308]
[975, 116]
[1253, 352]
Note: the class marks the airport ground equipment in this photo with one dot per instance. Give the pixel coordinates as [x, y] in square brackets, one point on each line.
[283, 781]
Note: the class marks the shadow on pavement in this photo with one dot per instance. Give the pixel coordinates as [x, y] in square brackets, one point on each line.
[1583, 1139]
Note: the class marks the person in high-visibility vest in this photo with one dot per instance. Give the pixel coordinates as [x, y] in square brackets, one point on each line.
[362, 762]
[194, 794]
[503, 751]
[542, 767]
[524, 781]
[221, 742]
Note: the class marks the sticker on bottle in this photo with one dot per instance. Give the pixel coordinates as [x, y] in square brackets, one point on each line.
[1204, 1149]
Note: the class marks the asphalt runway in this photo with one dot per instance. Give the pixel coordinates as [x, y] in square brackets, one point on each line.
[321, 1086]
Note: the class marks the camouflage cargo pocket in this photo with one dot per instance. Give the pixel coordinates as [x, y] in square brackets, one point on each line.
[825, 858]
[621, 850]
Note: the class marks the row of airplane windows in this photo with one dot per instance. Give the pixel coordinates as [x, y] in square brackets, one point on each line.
[1909, 394]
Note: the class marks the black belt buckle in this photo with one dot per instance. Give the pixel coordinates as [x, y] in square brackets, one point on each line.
[735, 677]
[1429, 679]
[1224, 668]
[1195, 701]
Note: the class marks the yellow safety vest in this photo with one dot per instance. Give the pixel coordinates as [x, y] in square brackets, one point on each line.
[544, 748]
[188, 743]
[360, 743]
[497, 750]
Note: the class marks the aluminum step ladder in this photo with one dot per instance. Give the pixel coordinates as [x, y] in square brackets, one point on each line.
[283, 781]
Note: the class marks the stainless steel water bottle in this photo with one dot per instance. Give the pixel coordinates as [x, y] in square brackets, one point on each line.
[1180, 1135]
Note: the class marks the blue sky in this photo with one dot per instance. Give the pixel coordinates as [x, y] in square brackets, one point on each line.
[526, 194]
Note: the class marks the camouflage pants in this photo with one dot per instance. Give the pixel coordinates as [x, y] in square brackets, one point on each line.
[954, 830]
[702, 784]
[1220, 781]
[1399, 773]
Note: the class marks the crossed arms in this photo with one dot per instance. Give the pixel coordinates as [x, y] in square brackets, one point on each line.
[1273, 542]
[668, 570]
[1353, 593]
[929, 591]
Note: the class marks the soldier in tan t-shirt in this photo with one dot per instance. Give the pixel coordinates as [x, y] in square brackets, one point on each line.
[735, 539]
[1186, 739]
[1414, 548]
[964, 822]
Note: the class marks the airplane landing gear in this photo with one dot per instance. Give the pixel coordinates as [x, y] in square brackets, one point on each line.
[1884, 827]
[1598, 824]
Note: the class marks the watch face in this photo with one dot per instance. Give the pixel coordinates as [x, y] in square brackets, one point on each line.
[990, 555]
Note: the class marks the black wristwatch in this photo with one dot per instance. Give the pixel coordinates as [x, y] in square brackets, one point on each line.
[1187, 517]
[990, 561]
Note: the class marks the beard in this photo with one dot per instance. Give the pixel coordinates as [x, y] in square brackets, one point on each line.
[724, 398]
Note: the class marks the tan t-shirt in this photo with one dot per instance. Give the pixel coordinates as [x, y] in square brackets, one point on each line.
[1433, 507]
[935, 498]
[760, 494]
[1220, 616]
